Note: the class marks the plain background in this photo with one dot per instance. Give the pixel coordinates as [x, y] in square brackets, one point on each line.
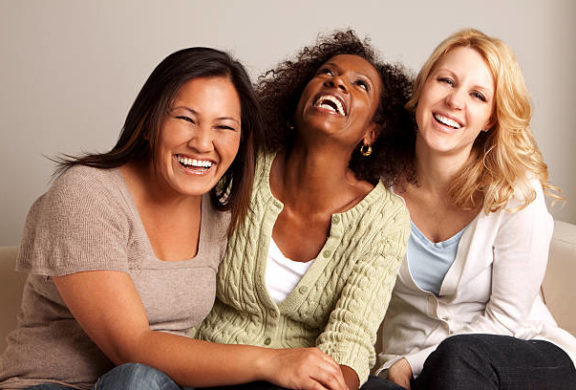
[70, 69]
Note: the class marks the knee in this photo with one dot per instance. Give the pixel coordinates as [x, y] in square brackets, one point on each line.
[460, 350]
[135, 376]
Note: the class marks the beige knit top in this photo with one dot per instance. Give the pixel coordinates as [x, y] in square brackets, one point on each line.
[87, 221]
[341, 299]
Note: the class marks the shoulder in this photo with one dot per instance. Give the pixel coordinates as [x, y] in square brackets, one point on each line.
[519, 217]
[79, 194]
[263, 165]
[83, 219]
[80, 176]
[529, 189]
[383, 205]
[86, 184]
[381, 222]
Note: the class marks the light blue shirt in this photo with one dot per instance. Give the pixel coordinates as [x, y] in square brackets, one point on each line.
[430, 261]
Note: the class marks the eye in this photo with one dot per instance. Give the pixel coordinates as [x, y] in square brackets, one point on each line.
[362, 84]
[479, 96]
[185, 118]
[325, 71]
[447, 80]
[225, 127]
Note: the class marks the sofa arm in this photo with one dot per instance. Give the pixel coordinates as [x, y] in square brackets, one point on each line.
[559, 286]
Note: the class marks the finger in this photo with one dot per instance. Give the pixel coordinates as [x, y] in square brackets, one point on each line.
[315, 385]
[329, 359]
[331, 380]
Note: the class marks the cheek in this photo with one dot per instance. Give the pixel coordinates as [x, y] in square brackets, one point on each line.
[229, 147]
[418, 114]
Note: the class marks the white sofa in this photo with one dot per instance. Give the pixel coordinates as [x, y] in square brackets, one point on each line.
[558, 289]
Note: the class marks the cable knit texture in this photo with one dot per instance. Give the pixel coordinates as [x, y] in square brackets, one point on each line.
[342, 298]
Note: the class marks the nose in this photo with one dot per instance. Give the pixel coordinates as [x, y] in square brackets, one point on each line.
[336, 82]
[201, 140]
[455, 99]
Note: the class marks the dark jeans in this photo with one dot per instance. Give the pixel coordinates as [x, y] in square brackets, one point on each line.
[481, 361]
[133, 376]
[130, 376]
[373, 383]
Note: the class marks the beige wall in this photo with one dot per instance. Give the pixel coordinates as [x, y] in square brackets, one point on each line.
[70, 69]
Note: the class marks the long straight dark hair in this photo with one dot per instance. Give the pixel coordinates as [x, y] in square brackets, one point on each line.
[141, 129]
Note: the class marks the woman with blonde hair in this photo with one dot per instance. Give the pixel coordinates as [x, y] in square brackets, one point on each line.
[466, 311]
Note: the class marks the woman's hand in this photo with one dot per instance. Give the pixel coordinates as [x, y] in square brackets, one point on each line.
[400, 373]
[302, 368]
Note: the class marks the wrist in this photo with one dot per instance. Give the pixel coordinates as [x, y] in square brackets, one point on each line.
[261, 363]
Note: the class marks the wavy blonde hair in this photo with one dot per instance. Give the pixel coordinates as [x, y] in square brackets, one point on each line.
[504, 159]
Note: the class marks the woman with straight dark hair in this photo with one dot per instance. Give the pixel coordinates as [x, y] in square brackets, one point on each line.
[122, 251]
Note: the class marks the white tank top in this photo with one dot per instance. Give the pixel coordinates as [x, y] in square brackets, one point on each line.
[282, 274]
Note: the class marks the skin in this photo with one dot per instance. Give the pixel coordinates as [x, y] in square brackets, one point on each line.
[460, 87]
[313, 179]
[204, 123]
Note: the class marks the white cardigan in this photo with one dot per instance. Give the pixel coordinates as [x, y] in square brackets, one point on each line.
[492, 287]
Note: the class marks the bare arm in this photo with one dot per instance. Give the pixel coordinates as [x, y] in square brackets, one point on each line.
[107, 306]
[350, 377]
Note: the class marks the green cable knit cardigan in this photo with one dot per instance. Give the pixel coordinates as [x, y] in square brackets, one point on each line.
[338, 304]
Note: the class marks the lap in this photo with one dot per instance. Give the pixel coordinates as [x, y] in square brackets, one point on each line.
[483, 361]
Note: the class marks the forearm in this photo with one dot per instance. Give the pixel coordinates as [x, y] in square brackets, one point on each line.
[350, 377]
[195, 363]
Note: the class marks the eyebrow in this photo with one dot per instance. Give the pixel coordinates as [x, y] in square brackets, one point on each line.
[482, 88]
[192, 111]
[333, 65]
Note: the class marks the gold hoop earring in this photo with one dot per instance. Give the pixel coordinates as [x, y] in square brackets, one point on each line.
[365, 150]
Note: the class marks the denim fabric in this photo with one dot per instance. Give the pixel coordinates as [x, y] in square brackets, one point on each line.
[129, 376]
[373, 383]
[377, 383]
[134, 376]
[49, 386]
[482, 361]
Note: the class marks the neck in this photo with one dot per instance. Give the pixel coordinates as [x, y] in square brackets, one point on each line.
[313, 179]
[435, 171]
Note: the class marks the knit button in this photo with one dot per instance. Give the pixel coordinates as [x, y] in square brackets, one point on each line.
[302, 289]
[277, 204]
[267, 341]
[335, 218]
[326, 253]
[272, 313]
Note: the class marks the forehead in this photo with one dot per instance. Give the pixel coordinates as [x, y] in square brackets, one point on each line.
[467, 62]
[354, 63]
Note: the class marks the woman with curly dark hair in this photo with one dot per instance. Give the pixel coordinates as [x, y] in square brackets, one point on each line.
[315, 263]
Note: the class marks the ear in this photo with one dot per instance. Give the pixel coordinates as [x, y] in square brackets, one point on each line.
[371, 134]
[488, 126]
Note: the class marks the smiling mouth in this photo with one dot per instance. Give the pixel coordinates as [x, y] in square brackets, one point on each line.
[194, 164]
[447, 121]
[330, 103]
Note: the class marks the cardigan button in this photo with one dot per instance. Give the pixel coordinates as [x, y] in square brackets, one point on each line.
[335, 218]
[326, 253]
[267, 341]
[302, 289]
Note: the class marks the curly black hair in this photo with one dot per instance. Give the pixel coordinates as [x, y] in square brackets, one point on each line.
[279, 90]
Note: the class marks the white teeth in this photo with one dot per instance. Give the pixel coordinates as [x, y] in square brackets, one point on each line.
[447, 121]
[193, 162]
[321, 102]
